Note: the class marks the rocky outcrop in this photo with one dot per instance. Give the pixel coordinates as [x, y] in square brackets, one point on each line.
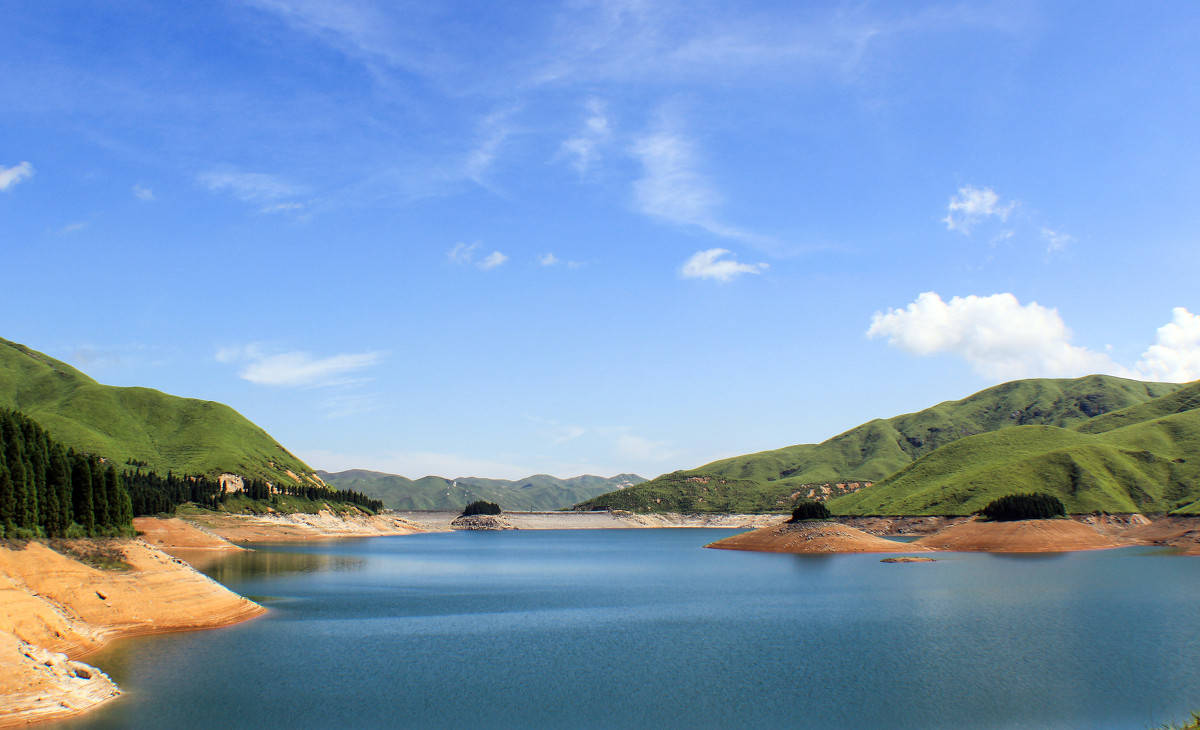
[481, 522]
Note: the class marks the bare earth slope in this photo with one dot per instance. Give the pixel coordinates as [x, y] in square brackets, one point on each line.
[1022, 536]
[813, 537]
[51, 603]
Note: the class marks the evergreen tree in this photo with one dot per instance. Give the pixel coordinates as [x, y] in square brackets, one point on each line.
[81, 488]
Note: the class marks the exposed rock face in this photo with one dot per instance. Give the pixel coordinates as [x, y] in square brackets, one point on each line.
[482, 522]
[37, 684]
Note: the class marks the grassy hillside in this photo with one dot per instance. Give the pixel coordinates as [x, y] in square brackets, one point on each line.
[538, 492]
[876, 449]
[164, 432]
[1134, 460]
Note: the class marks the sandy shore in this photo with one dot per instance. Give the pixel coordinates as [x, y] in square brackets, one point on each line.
[55, 609]
[815, 537]
[324, 525]
[600, 520]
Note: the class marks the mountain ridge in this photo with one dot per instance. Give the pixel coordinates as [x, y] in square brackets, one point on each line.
[771, 480]
[143, 426]
[435, 493]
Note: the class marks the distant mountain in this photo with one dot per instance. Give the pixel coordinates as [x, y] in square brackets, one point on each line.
[773, 480]
[161, 432]
[1145, 458]
[537, 492]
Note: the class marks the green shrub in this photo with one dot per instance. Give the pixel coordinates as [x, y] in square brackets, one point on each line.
[480, 507]
[809, 510]
[1036, 506]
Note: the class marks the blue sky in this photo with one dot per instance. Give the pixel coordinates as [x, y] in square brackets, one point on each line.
[504, 238]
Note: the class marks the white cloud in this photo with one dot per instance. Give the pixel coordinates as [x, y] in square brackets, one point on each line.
[583, 148]
[494, 130]
[547, 259]
[292, 369]
[75, 227]
[971, 206]
[712, 264]
[671, 187]
[464, 254]
[631, 446]
[492, 260]
[10, 176]
[1056, 240]
[281, 207]
[1000, 337]
[141, 192]
[249, 187]
[1175, 354]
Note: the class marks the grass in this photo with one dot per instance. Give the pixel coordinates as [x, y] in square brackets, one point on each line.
[1147, 466]
[161, 431]
[98, 553]
[768, 480]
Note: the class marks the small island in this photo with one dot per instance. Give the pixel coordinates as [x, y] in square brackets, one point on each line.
[482, 515]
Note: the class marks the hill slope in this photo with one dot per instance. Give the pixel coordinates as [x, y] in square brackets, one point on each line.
[1143, 464]
[165, 432]
[772, 479]
[537, 492]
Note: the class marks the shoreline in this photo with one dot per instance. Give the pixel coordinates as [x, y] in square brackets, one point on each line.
[56, 610]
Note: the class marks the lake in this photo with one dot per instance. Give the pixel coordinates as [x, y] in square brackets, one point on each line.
[644, 628]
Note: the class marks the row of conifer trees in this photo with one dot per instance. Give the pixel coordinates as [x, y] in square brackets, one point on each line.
[49, 490]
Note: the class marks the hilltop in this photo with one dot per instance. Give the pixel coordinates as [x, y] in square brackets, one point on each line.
[848, 462]
[159, 432]
[537, 492]
[1145, 458]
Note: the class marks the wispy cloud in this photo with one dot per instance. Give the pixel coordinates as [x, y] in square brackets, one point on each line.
[673, 189]
[1056, 240]
[640, 448]
[972, 205]
[492, 260]
[296, 368]
[549, 260]
[143, 193]
[465, 254]
[493, 131]
[713, 264]
[583, 149]
[268, 191]
[75, 227]
[10, 176]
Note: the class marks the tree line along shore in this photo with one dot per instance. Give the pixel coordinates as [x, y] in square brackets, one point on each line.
[48, 489]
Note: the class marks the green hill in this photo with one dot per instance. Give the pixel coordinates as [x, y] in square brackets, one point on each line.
[772, 480]
[162, 432]
[537, 492]
[1133, 460]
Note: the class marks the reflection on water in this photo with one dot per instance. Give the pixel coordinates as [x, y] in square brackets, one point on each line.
[645, 628]
[249, 564]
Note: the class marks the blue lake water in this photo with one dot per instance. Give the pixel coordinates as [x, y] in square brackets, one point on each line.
[644, 628]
